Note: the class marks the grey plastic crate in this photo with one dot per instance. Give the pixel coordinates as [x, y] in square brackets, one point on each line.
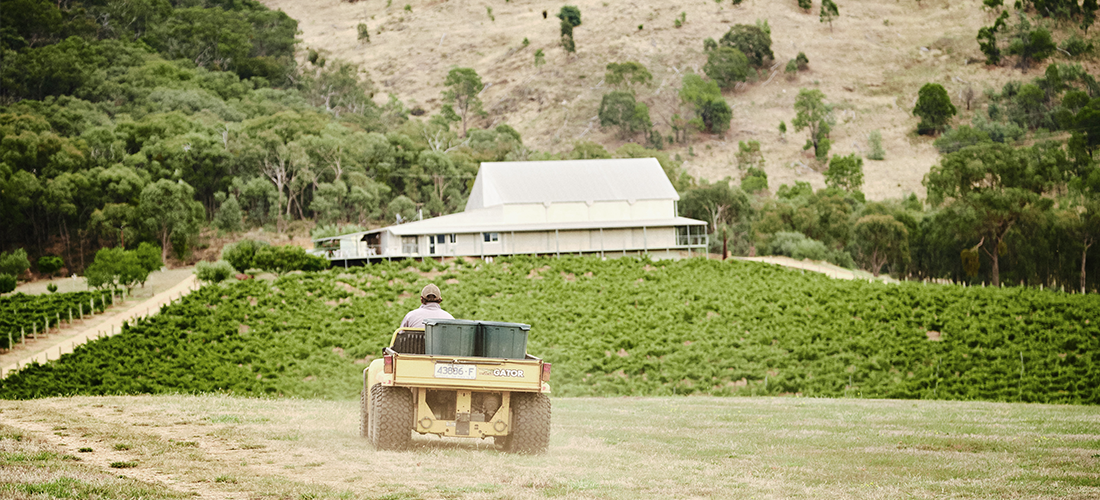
[450, 337]
[503, 340]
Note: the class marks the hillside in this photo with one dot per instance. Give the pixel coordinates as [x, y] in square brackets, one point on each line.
[611, 328]
[870, 63]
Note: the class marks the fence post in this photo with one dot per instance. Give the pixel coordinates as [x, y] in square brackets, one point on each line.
[23, 336]
[81, 311]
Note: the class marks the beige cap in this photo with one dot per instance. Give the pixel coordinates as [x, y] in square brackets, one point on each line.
[431, 292]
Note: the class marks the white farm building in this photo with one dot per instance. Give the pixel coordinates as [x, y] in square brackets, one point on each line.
[603, 207]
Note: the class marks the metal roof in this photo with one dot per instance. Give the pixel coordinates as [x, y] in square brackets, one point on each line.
[512, 182]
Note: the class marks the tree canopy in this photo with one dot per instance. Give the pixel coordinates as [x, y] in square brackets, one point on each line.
[812, 113]
[727, 66]
[463, 87]
[710, 107]
[752, 41]
[845, 172]
[989, 188]
[934, 109]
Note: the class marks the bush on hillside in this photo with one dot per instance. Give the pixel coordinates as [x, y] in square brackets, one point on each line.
[241, 254]
[14, 263]
[727, 66]
[213, 272]
[50, 264]
[7, 283]
[115, 268]
[797, 246]
[960, 137]
[752, 41]
[287, 258]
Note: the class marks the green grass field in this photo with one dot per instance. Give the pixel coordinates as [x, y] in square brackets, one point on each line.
[619, 448]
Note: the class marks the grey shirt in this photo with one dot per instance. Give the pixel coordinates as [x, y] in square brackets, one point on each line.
[416, 317]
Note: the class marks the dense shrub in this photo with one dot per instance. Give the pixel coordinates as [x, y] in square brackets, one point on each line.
[241, 254]
[50, 264]
[960, 137]
[752, 41]
[286, 258]
[14, 263]
[7, 283]
[213, 272]
[727, 66]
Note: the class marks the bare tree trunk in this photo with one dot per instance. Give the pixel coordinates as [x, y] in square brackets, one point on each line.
[164, 233]
[995, 254]
[276, 172]
[996, 269]
[1084, 255]
[877, 262]
[65, 237]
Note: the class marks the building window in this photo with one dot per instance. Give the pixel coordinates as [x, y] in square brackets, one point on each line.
[491, 237]
[453, 236]
[410, 245]
[691, 236]
[439, 239]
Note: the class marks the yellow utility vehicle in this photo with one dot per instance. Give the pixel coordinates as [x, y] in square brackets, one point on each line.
[458, 378]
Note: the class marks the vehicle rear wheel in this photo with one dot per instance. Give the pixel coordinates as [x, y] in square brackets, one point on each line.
[530, 423]
[391, 417]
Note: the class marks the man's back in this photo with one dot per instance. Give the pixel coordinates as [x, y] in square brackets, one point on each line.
[415, 318]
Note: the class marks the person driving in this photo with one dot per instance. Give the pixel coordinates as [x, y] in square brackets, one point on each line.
[430, 300]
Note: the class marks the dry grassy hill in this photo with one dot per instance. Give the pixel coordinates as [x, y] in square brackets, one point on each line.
[870, 64]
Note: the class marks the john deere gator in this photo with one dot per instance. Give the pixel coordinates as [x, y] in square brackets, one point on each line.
[458, 378]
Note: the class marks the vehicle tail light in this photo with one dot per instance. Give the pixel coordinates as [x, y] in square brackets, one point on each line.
[387, 363]
[546, 372]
